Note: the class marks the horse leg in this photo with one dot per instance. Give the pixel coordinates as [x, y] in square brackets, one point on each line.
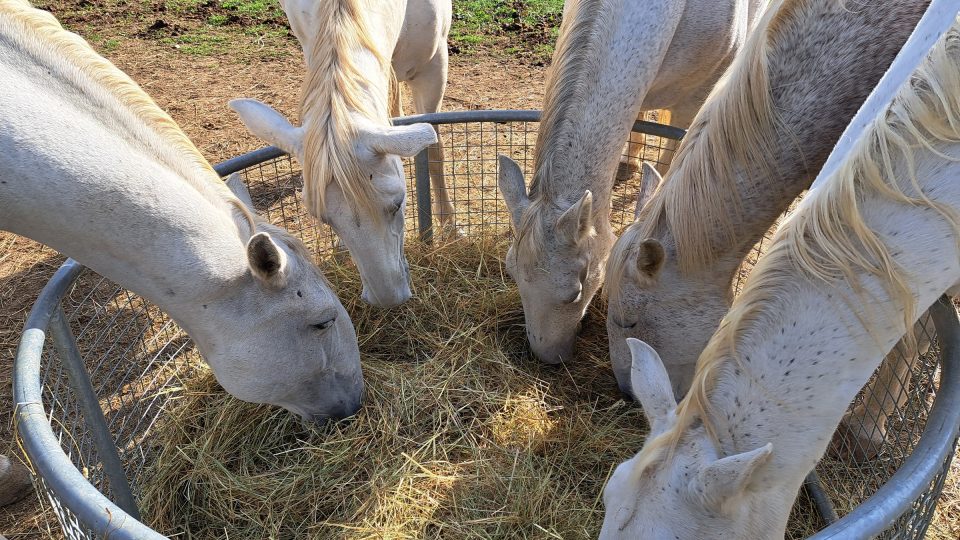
[427, 87]
[863, 431]
[681, 117]
[632, 154]
[14, 481]
[395, 96]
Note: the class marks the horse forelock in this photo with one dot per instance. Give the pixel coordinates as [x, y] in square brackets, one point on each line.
[336, 88]
[530, 235]
[537, 233]
[830, 241]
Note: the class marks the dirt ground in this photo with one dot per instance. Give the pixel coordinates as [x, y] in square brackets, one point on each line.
[194, 90]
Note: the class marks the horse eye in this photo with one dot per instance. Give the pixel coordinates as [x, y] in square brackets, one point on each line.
[576, 297]
[324, 325]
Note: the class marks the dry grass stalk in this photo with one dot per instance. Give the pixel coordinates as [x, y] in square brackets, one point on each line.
[463, 434]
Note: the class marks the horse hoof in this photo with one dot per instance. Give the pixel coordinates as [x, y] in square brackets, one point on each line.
[626, 170]
[15, 483]
[856, 442]
[450, 231]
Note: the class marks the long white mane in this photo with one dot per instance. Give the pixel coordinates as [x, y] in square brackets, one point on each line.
[828, 240]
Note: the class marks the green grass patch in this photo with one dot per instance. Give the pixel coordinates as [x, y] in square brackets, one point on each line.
[532, 24]
[254, 8]
[525, 28]
[218, 20]
[200, 43]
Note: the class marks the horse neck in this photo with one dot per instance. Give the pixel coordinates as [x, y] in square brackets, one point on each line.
[811, 347]
[91, 183]
[604, 92]
[811, 111]
[130, 223]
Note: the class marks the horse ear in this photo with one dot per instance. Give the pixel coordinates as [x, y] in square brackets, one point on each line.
[650, 258]
[240, 191]
[270, 126]
[577, 222]
[267, 261]
[403, 141]
[512, 187]
[650, 383]
[650, 180]
[730, 476]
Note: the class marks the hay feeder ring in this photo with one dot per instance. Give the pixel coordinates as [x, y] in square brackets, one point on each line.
[96, 363]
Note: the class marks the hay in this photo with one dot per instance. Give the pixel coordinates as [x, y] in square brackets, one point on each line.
[463, 434]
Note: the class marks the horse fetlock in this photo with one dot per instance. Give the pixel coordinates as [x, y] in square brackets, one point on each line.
[15, 483]
[860, 436]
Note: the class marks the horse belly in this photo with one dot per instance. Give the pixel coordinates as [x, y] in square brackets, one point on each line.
[425, 29]
[706, 40]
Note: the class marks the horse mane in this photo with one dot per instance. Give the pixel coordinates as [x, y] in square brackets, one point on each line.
[573, 63]
[335, 88]
[828, 240]
[42, 34]
[698, 197]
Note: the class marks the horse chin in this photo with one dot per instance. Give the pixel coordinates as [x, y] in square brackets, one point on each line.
[554, 353]
[387, 299]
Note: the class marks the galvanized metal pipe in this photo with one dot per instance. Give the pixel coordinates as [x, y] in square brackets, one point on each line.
[897, 495]
[66, 346]
[248, 160]
[49, 461]
[522, 115]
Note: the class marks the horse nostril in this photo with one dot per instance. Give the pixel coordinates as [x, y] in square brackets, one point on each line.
[317, 421]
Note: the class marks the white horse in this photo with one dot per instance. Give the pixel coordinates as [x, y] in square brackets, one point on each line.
[758, 142]
[90, 166]
[613, 58]
[353, 176]
[686, 78]
[846, 275]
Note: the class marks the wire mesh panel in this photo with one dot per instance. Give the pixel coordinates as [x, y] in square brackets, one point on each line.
[136, 356]
[468, 169]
